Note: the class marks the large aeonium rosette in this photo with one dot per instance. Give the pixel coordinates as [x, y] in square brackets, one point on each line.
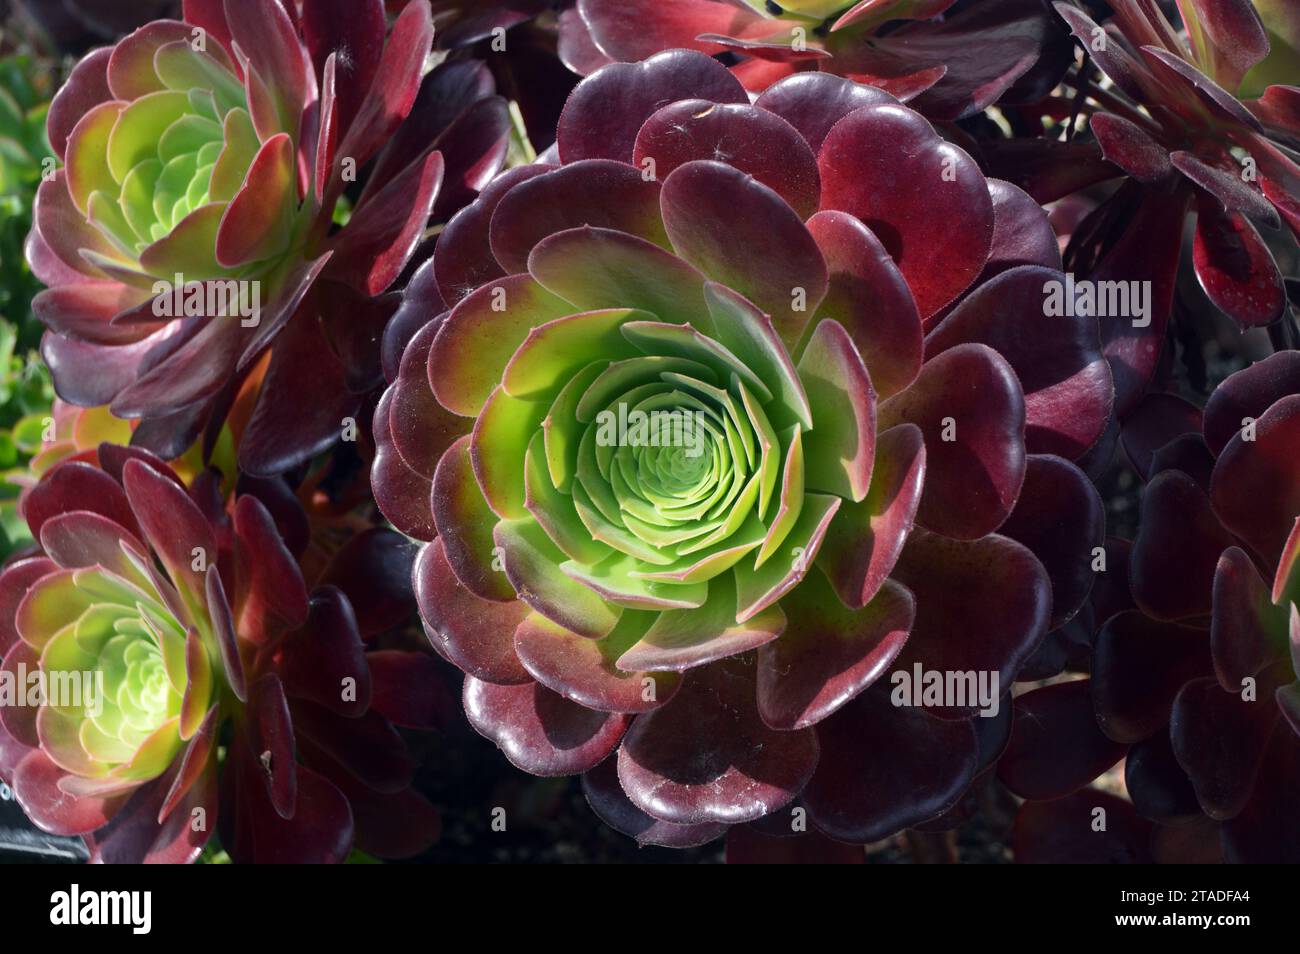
[715, 606]
[191, 682]
[196, 239]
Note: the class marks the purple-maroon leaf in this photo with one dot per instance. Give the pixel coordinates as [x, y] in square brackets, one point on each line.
[1138, 668]
[223, 626]
[631, 30]
[35, 785]
[864, 541]
[983, 50]
[1266, 832]
[584, 671]
[136, 836]
[598, 193]
[85, 88]
[1236, 268]
[272, 739]
[980, 605]
[1063, 831]
[354, 34]
[1066, 381]
[1159, 419]
[1177, 549]
[1247, 630]
[269, 38]
[465, 524]
[1047, 169]
[1160, 789]
[755, 141]
[421, 429]
[707, 756]
[474, 148]
[742, 234]
[885, 768]
[1220, 739]
[1060, 517]
[303, 406]
[376, 245]
[408, 690]
[828, 654]
[1056, 745]
[944, 193]
[814, 102]
[173, 526]
[324, 661]
[474, 633]
[1227, 37]
[604, 113]
[271, 591]
[1148, 251]
[1022, 233]
[1228, 186]
[968, 404]
[65, 231]
[868, 295]
[256, 224]
[607, 799]
[319, 832]
[448, 93]
[76, 485]
[395, 87]
[1256, 484]
[1131, 148]
[401, 493]
[391, 825]
[367, 746]
[373, 569]
[1176, 72]
[539, 731]
[1246, 395]
[463, 259]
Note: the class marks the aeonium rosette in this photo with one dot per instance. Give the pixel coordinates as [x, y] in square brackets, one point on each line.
[680, 421]
[1180, 121]
[172, 676]
[198, 237]
[1195, 662]
[1201, 678]
[954, 58]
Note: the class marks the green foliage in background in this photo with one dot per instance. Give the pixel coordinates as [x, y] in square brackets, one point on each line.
[25, 391]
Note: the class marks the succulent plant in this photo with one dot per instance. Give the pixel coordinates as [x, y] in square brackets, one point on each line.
[226, 150]
[192, 683]
[463, 23]
[1206, 665]
[950, 57]
[1194, 665]
[1178, 121]
[701, 627]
